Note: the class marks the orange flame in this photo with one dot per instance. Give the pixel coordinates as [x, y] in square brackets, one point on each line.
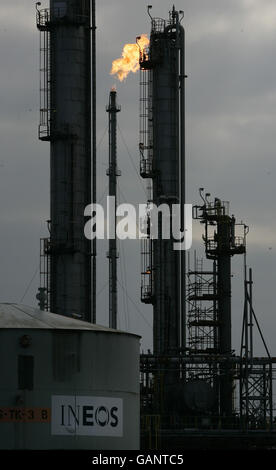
[129, 62]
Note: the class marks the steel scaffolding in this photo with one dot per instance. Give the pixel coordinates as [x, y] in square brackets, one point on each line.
[202, 315]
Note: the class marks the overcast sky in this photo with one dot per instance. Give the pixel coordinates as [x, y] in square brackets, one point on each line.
[231, 141]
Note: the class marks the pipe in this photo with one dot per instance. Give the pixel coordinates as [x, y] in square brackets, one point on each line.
[112, 173]
[155, 359]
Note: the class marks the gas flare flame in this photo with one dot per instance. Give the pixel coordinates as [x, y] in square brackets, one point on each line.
[129, 62]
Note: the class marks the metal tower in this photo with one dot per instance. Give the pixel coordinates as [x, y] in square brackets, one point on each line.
[65, 121]
[113, 172]
[221, 244]
[162, 143]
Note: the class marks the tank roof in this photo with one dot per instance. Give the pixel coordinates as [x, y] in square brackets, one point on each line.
[14, 316]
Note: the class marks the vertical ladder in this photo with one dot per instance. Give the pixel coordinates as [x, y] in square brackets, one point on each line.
[43, 24]
[147, 272]
[146, 125]
[45, 265]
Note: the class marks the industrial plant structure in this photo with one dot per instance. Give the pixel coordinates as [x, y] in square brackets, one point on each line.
[193, 380]
[71, 384]
[193, 385]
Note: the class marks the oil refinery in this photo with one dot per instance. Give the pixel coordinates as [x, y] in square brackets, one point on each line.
[69, 382]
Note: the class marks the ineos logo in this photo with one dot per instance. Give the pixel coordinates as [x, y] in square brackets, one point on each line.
[87, 416]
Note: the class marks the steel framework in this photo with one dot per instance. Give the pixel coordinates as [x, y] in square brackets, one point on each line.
[256, 399]
[202, 315]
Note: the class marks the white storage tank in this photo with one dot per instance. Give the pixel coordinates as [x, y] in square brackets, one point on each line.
[65, 383]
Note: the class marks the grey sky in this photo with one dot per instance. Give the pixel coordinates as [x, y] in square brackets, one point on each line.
[231, 123]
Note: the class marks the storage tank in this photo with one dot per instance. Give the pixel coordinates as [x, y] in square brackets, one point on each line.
[65, 383]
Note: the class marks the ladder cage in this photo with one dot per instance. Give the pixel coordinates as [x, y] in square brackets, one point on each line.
[45, 79]
[147, 275]
[146, 124]
[45, 269]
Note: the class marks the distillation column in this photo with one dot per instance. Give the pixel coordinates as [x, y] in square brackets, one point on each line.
[66, 123]
[112, 173]
[162, 160]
